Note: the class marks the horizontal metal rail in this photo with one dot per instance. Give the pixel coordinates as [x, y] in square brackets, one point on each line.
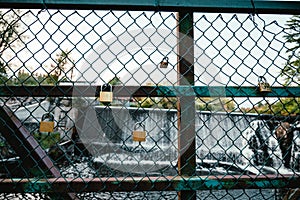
[218, 6]
[168, 183]
[147, 91]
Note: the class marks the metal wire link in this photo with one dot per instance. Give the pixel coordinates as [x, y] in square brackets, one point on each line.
[139, 104]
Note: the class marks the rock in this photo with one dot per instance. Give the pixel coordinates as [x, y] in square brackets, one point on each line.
[284, 135]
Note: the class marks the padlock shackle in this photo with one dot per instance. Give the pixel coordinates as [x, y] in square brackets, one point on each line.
[262, 79]
[48, 115]
[110, 86]
[164, 63]
[140, 125]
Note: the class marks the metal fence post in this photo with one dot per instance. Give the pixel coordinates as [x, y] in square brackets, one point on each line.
[186, 104]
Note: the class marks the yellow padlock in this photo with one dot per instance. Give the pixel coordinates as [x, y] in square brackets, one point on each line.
[139, 135]
[263, 86]
[106, 96]
[164, 63]
[47, 123]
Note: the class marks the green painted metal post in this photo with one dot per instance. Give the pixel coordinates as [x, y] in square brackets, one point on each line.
[186, 104]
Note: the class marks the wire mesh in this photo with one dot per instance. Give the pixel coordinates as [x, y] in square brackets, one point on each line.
[137, 100]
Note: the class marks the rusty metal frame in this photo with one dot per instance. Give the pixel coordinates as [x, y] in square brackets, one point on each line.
[186, 182]
[167, 183]
[33, 157]
[185, 103]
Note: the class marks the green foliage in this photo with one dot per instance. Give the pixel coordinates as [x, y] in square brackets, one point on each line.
[3, 78]
[52, 78]
[146, 102]
[287, 106]
[49, 79]
[215, 104]
[157, 102]
[2, 68]
[291, 70]
[64, 64]
[24, 78]
[10, 29]
[47, 140]
[282, 107]
[202, 104]
[168, 103]
[115, 81]
[294, 33]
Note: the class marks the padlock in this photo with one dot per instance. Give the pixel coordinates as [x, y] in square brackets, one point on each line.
[106, 96]
[164, 63]
[263, 86]
[139, 135]
[47, 123]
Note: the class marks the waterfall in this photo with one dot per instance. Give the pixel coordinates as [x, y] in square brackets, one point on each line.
[219, 135]
[234, 138]
[260, 146]
[115, 128]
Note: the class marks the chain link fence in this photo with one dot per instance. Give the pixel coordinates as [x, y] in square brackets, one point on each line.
[99, 104]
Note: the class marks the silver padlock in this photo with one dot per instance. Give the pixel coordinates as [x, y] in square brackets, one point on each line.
[139, 135]
[106, 96]
[47, 123]
[164, 63]
[263, 85]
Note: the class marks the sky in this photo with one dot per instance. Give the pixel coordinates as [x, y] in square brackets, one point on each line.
[230, 50]
[222, 38]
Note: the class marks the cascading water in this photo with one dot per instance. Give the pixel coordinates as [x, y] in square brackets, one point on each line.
[233, 138]
[117, 125]
[260, 146]
[219, 135]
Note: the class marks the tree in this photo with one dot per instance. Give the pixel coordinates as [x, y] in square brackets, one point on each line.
[10, 28]
[115, 81]
[215, 104]
[24, 78]
[60, 69]
[291, 70]
[282, 107]
[157, 102]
